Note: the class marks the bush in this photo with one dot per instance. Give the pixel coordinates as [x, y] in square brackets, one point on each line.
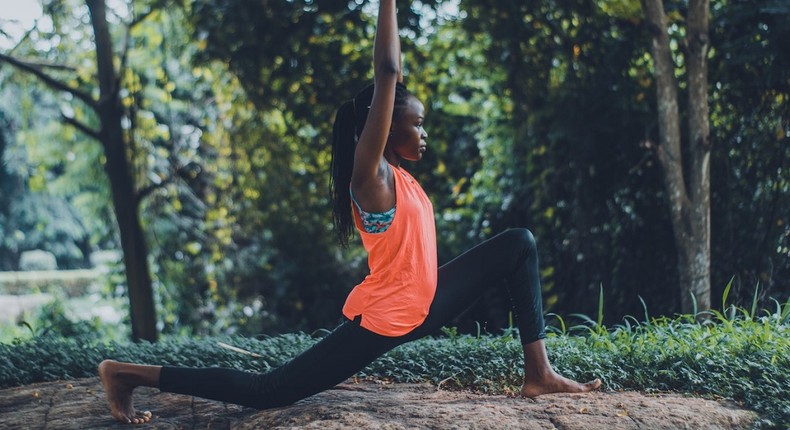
[736, 356]
[37, 260]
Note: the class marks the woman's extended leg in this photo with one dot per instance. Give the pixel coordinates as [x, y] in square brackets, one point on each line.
[336, 357]
[511, 257]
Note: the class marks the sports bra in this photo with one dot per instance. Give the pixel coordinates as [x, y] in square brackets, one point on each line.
[374, 222]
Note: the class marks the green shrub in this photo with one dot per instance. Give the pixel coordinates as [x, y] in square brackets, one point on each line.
[737, 356]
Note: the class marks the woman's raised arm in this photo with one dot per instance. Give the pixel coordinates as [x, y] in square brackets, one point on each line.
[368, 179]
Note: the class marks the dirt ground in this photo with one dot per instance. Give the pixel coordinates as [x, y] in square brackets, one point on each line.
[81, 404]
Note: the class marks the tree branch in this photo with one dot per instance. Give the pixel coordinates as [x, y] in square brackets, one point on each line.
[141, 18]
[176, 172]
[80, 126]
[143, 193]
[104, 53]
[49, 80]
[24, 37]
[125, 50]
[51, 66]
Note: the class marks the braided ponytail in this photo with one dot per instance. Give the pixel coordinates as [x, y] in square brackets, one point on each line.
[349, 122]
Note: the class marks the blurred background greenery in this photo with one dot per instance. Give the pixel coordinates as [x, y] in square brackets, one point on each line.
[538, 114]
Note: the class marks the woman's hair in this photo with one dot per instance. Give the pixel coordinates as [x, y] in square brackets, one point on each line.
[349, 122]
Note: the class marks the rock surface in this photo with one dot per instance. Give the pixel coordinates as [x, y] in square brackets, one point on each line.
[81, 404]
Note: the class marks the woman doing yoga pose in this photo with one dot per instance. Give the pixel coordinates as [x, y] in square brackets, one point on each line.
[406, 295]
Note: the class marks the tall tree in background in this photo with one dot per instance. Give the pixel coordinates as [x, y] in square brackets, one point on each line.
[117, 150]
[4, 188]
[686, 167]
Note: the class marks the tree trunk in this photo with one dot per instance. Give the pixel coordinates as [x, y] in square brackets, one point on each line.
[688, 191]
[124, 194]
[700, 146]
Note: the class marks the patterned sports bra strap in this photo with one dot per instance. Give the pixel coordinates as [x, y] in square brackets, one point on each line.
[374, 222]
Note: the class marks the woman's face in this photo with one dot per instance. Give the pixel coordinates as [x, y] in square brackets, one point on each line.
[407, 138]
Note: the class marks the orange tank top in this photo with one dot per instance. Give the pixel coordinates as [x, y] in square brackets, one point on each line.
[395, 297]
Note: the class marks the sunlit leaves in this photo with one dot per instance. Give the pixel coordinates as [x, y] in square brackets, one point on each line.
[624, 9]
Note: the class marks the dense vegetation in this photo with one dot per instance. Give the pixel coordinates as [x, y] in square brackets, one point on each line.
[541, 113]
[739, 354]
[538, 112]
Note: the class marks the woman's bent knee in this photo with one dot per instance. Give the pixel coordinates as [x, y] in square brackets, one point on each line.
[523, 239]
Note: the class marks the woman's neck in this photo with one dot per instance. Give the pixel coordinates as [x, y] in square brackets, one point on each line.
[392, 158]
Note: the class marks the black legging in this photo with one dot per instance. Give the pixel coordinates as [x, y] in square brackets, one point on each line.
[510, 256]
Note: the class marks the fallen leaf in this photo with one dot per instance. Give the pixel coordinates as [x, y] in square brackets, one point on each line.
[583, 410]
[239, 350]
[69, 387]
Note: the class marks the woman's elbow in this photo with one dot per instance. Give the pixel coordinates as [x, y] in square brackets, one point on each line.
[388, 68]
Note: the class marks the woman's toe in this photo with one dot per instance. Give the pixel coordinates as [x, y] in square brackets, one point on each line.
[593, 385]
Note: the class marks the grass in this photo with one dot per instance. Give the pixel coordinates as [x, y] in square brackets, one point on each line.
[735, 353]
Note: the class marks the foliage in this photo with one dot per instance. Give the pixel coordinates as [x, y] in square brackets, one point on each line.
[739, 354]
[561, 155]
[536, 111]
[750, 120]
[32, 218]
[296, 62]
[52, 319]
[571, 167]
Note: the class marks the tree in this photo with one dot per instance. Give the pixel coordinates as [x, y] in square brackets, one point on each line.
[536, 111]
[117, 147]
[686, 164]
[5, 190]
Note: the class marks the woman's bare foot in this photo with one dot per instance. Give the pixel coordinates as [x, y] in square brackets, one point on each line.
[540, 378]
[553, 383]
[119, 380]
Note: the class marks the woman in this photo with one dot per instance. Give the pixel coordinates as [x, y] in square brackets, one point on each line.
[406, 296]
